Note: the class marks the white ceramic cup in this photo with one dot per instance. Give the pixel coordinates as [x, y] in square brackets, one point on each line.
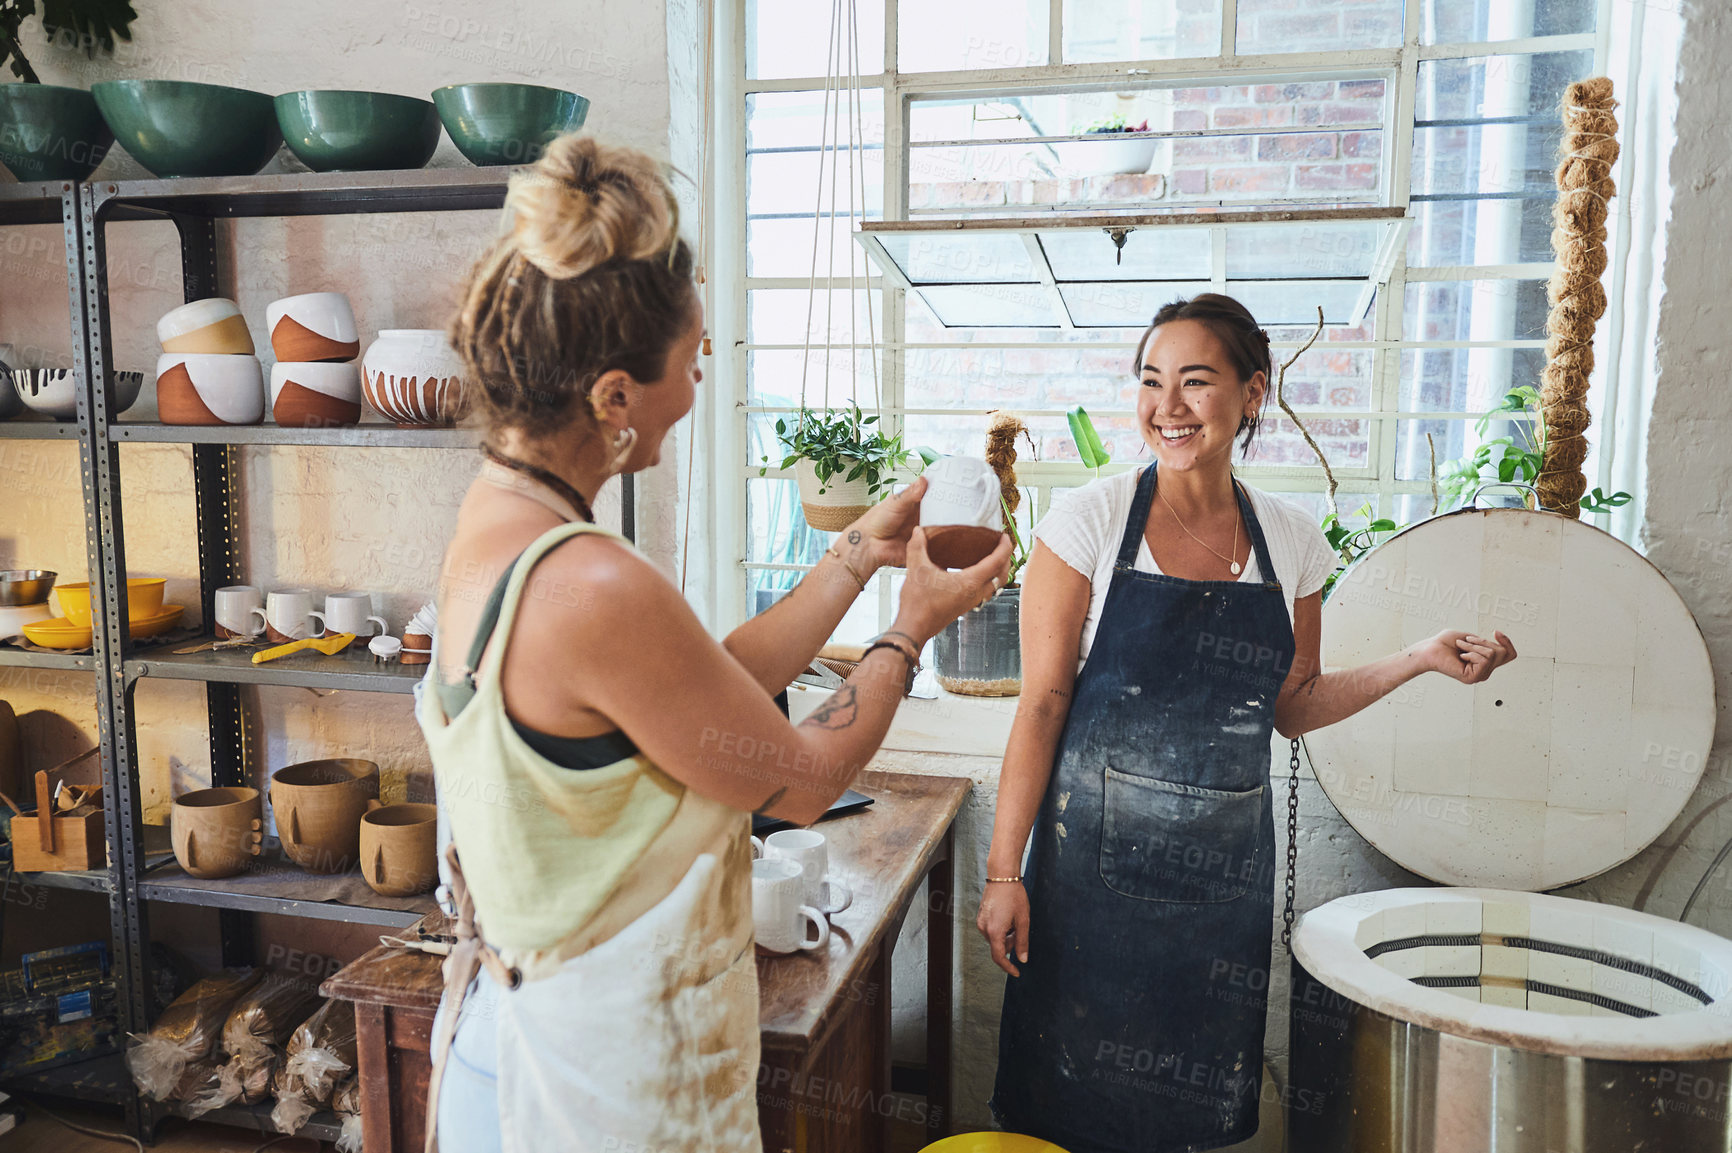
[349, 613]
[780, 921]
[808, 850]
[961, 490]
[235, 605]
[288, 615]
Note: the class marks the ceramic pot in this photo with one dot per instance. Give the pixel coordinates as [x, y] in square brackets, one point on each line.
[334, 131]
[398, 858]
[417, 649]
[313, 326]
[51, 133]
[507, 123]
[54, 391]
[318, 807]
[217, 832]
[840, 504]
[212, 325]
[1104, 154]
[315, 395]
[144, 597]
[179, 128]
[205, 388]
[411, 376]
[979, 654]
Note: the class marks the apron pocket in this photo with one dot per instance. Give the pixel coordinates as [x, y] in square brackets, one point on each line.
[1167, 842]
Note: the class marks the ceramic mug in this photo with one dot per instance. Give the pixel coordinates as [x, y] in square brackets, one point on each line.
[781, 923]
[348, 613]
[216, 832]
[808, 850]
[235, 605]
[287, 615]
[318, 807]
[961, 511]
[398, 857]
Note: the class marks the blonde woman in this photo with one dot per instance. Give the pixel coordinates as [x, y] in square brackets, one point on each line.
[598, 754]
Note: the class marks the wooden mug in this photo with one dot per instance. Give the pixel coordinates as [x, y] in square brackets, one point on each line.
[318, 807]
[216, 832]
[398, 857]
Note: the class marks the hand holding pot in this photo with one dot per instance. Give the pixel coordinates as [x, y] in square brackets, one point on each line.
[882, 533]
[932, 597]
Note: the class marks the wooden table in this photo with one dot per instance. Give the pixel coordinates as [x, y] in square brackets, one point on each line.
[824, 1085]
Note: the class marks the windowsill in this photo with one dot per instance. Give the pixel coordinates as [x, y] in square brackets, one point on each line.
[953, 724]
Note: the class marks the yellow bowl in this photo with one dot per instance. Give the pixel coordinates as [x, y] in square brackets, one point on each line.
[992, 1143]
[143, 599]
[156, 624]
[58, 633]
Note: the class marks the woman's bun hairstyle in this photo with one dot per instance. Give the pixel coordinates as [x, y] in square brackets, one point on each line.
[590, 275]
[1246, 343]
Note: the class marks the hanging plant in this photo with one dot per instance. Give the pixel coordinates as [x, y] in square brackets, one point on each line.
[93, 25]
[842, 464]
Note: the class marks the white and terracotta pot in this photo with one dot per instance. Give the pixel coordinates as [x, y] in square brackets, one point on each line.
[840, 504]
[412, 376]
[315, 394]
[313, 326]
[209, 388]
[213, 325]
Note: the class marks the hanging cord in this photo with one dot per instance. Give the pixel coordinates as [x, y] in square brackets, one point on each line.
[836, 68]
[824, 134]
[859, 131]
[99, 1134]
[706, 188]
[1292, 846]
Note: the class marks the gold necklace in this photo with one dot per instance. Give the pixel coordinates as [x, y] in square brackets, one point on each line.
[1233, 566]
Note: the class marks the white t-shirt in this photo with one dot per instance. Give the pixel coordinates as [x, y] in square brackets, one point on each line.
[1085, 526]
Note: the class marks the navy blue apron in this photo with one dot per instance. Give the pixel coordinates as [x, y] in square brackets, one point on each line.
[1137, 1022]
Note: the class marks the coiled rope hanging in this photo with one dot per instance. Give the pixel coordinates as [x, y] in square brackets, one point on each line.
[1578, 300]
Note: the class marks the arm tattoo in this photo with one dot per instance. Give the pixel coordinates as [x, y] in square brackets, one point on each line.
[853, 536]
[1060, 692]
[771, 800]
[839, 712]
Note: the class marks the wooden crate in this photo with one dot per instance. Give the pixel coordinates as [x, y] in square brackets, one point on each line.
[79, 842]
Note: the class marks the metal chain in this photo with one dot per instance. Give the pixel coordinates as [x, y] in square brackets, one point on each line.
[1292, 845]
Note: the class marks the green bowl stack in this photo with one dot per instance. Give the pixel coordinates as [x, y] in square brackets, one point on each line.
[507, 123]
[179, 128]
[51, 133]
[333, 131]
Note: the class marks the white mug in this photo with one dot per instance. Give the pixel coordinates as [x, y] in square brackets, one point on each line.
[235, 605]
[349, 613]
[807, 849]
[287, 615]
[780, 922]
[961, 490]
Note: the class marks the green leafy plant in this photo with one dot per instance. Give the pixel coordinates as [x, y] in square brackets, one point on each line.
[93, 25]
[1513, 459]
[1598, 501]
[843, 447]
[1350, 540]
[1089, 448]
[1114, 123]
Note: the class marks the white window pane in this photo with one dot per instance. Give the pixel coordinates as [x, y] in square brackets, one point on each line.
[1123, 305]
[801, 183]
[1115, 422]
[1477, 21]
[1314, 249]
[1482, 86]
[1268, 26]
[800, 120]
[1470, 231]
[968, 34]
[788, 38]
[986, 378]
[1148, 254]
[783, 247]
[774, 376]
[991, 305]
[1452, 440]
[1466, 379]
[1327, 378]
[794, 316]
[1489, 158]
[1346, 442]
[1097, 30]
[1275, 302]
[1474, 310]
[945, 258]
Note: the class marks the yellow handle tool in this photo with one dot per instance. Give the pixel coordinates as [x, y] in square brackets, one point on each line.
[330, 646]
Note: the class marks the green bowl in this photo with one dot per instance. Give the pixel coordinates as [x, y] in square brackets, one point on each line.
[178, 128]
[51, 133]
[507, 123]
[358, 131]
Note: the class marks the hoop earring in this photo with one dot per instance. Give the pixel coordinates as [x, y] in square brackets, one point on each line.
[623, 442]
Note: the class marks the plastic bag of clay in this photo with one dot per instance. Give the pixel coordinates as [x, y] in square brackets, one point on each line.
[320, 1051]
[266, 1015]
[187, 1032]
[201, 1088]
[347, 1103]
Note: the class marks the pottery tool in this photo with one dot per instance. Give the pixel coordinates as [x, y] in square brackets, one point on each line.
[213, 646]
[330, 646]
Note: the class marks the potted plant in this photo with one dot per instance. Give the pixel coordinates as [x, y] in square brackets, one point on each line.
[842, 464]
[1109, 155]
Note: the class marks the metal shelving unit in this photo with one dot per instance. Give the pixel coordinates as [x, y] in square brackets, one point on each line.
[132, 882]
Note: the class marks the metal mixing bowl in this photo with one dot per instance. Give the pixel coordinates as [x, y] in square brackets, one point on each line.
[25, 586]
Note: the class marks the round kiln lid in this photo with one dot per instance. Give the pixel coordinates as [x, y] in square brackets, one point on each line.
[1566, 762]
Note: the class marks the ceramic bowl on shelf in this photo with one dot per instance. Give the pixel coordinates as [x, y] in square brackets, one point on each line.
[339, 131]
[507, 123]
[213, 325]
[315, 395]
[154, 624]
[143, 599]
[48, 132]
[25, 586]
[58, 633]
[180, 128]
[313, 326]
[412, 376]
[54, 391]
[318, 807]
[209, 388]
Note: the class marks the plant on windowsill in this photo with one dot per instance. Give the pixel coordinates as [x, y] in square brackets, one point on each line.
[842, 464]
[1106, 156]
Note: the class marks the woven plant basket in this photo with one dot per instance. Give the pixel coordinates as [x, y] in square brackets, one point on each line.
[838, 506]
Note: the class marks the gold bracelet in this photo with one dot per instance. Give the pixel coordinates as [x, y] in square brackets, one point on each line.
[1016, 880]
[831, 551]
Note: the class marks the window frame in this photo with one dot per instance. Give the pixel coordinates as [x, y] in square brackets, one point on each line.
[1397, 66]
